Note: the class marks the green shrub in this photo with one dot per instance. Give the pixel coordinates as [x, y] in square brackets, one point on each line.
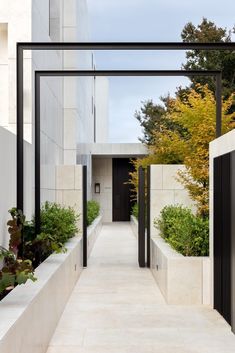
[58, 225]
[59, 221]
[135, 210]
[185, 232]
[93, 210]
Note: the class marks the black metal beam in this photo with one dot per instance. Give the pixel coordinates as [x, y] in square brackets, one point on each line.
[84, 211]
[37, 145]
[125, 46]
[218, 97]
[134, 73]
[20, 129]
[88, 73]
[148, 219]
[232, 179]
[141, 217]
[21, 47]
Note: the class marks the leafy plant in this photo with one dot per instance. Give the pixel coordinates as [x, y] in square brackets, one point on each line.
[135, 210]
[59, 221]
[184, 231]
[16, 225]
[58, 225]
[93, 210]
[14, 271]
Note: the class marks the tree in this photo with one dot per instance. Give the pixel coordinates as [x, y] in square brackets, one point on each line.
[152, 118]
[223, 60]
[196, 116]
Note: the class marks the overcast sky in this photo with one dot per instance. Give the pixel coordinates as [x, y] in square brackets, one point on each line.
[146, 20]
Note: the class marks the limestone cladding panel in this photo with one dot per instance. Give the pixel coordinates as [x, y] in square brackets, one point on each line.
[166, 190]
[102, 174]
[69, 188]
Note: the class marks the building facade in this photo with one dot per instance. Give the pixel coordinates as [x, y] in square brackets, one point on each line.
[74, 110]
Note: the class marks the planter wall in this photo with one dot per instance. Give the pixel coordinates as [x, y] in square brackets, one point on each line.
[93, 232]
[182, 280]
[30, 313]
[134, 225]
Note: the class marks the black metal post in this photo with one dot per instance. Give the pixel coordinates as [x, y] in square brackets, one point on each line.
[232, 179]
[222, 235]
[141, 217]
[20, 128]
[37, 154]
[218, 105]
[84, 197]
[148, 221]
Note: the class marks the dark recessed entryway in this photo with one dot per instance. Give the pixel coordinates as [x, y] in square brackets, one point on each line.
[121, 191]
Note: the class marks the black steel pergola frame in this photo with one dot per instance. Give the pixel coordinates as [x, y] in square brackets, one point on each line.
[113, 46]
[113, 73]
[106, 73]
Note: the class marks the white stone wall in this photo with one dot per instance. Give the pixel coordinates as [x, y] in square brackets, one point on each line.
[102, 109]
[69, 188]
[8, 180]
[17, 15]
[182, 280]
[102, 173]
[67, 114]
[78, 92]
[166, 190]
[51, 98]
[4, 74]
[30, 313]
[218, 147]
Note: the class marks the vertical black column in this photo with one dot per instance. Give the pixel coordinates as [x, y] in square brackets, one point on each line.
[217, 205]
[84, 197]
[222, 236]
[37, 155]
[226, 238]
[141, 218]
[20, 128]
[232, 180]
[148, 225]
[218, 104]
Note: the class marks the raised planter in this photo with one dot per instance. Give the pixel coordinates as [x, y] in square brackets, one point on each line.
[93, 232]
[134, 225]
[30, 313]
[182, 280]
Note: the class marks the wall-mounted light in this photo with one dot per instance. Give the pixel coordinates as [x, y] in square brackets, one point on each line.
[97, 188]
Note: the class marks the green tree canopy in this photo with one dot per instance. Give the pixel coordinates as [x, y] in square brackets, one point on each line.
[223, 60]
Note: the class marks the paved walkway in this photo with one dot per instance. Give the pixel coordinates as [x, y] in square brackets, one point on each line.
[117, 308]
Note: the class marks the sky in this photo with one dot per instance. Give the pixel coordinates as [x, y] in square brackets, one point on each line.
[147, 21]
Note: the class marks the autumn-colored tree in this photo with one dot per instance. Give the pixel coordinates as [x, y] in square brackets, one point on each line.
[196, 115]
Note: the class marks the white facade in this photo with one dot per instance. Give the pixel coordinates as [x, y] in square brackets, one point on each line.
[101, 109]
[67, 104]
[74, 110]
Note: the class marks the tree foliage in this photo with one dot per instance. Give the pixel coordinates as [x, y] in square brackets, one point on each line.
[223, 60]
[190, 144]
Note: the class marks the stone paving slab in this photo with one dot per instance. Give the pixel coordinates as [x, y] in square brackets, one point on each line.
[118, 308]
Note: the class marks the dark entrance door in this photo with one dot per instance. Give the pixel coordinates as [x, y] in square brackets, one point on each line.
[121, 191]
